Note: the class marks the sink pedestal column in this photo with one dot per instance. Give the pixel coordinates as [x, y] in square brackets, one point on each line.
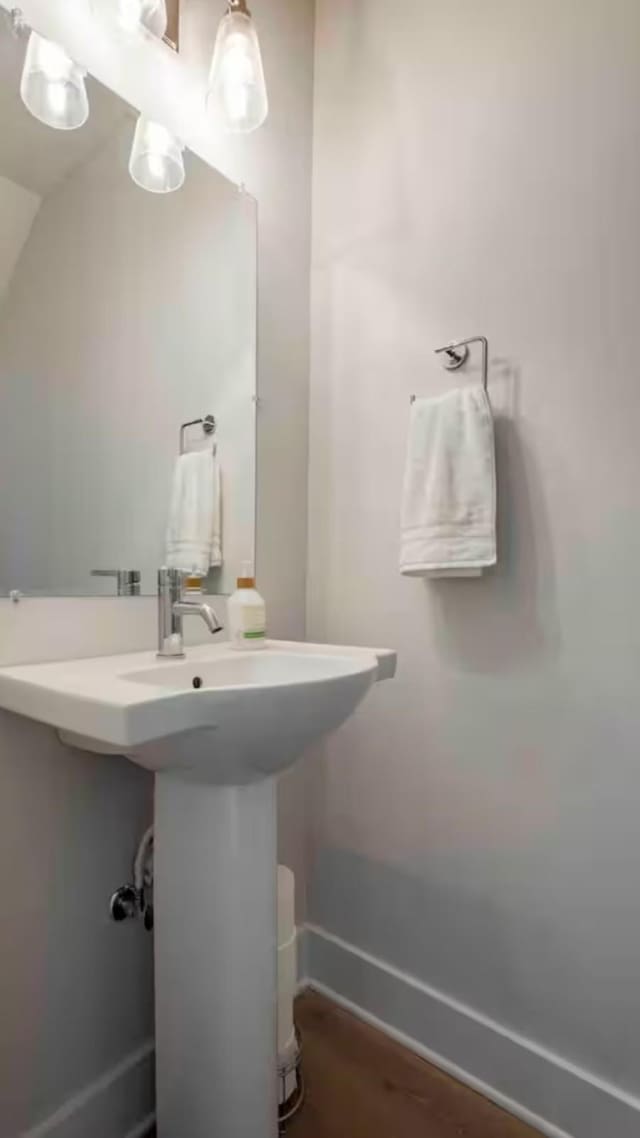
[215, 959]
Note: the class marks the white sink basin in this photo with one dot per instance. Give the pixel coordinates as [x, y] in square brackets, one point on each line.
[271, 667]
[213, 745]
[219, 716]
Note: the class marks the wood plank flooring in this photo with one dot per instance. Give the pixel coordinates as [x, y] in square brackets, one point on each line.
[361, 1084]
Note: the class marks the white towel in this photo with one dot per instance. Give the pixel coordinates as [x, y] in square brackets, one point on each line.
[193, 531]
[449, 495]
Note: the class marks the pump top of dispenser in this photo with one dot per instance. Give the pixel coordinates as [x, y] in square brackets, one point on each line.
[246, 580]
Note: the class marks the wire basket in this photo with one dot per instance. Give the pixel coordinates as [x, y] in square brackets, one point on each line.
[290, 1106]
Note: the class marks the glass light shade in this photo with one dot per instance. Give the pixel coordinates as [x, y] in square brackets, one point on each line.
[149, 14]
[52, 85]
[156, 162]
[237, 93]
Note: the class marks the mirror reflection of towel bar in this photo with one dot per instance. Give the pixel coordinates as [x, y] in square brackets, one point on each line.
[457, 354]
[208, 426]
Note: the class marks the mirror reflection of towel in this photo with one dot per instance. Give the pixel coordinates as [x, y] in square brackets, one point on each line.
[193, 530]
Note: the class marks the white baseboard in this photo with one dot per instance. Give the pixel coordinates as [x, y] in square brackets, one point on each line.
[119, 1102]
[554, 1096]
[144, 1127]
[301, 931]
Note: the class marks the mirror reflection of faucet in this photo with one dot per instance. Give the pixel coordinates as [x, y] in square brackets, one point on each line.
[172, 607]
[127, 580]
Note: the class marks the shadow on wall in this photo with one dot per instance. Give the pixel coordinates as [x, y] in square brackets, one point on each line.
[508, 617]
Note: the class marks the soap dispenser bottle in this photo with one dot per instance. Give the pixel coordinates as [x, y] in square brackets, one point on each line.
[246, 613]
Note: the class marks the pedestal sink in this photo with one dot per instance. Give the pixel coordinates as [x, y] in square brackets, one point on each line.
[215, 728]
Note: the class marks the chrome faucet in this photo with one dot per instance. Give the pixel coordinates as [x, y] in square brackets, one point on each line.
[172, 607]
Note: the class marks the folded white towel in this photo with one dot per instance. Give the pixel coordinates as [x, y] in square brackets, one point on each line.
[193, 531]
[449, 495]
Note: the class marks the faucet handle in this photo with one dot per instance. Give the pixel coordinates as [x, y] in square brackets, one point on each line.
[128, 580]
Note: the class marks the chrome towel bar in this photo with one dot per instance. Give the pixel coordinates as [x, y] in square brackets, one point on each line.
[208, 426]
[457, 353]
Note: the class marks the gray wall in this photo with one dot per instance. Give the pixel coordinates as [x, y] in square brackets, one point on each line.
[110, 801]
[477, 170]
[76, 991]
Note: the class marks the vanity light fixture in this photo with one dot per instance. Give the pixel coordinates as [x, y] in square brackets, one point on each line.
[53, 87]
[150, 14]
[156, 162]
[237, 93]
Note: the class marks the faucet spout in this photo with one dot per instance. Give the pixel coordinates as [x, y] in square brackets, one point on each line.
[197, 608]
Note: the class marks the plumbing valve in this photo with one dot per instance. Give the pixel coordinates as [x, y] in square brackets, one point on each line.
[124, 904]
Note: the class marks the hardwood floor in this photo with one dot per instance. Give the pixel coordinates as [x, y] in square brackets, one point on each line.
[361, 1084]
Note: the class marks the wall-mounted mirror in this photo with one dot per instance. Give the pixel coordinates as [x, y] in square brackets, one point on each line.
[123, 315]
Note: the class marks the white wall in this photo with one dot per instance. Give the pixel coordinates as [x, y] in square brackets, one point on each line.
[275, 164]
[18, 208]
[477, 170]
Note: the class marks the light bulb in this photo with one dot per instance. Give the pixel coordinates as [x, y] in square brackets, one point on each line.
[237, 93]
[156, 162]
[52, 87]
[149, 14]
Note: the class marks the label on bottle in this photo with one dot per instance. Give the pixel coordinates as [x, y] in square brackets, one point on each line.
[252, 625]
